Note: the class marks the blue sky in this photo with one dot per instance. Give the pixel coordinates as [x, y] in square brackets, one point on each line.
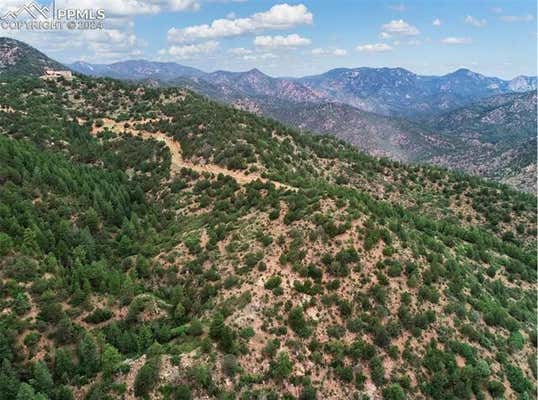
[290, 38]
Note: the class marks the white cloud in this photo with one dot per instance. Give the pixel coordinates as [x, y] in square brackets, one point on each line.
[478, 23]
[436, 22]
[384, 35]
[340, 52]
[116, 42]
[329, 52]
[189, 51]
[517, 18]
[374, 48]
[262, 56]
[292, 40]
[400, 27]
[239, 51]
[280, 16]
[456, 40]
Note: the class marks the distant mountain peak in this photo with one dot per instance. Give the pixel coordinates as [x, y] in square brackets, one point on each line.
[466, 72]
[523, 83]
[255, 71]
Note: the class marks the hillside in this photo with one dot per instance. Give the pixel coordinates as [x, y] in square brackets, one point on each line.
[491, 138]
[19, 59]
[377, 135]
[255, 83]
[155, 243]
[448, 112]
[494, 138]
[502, 118]
[136, 70]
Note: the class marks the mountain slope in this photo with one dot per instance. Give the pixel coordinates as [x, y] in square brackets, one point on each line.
[19, 59]
[495, 138]
[377, 135]
[156, 243]
[491, 138]
[255, 83]
[499, 118]
[396, 91]
[523, 83]
[136, 70]
[449, 128]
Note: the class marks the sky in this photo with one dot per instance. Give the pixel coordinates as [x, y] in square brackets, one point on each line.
[288, 38]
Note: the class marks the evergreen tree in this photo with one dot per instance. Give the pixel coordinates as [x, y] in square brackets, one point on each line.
[42, 378]
[147, 377]
[9, 384]
[63, 365]
[110, 360]
[25, 392]
[89, 356]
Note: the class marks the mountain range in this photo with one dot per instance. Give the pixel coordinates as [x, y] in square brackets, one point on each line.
[462, 120]
[387, 91]
[388, 112]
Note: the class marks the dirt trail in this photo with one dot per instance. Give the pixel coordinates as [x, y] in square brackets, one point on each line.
[177, 161]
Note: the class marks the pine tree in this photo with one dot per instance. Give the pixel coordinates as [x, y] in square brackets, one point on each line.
[110, 359]
[43, 378]
[9, 384]
[6, 244]
[64, 393]
[26, 392]
[89, 356]
[147, 377]
[63, 365]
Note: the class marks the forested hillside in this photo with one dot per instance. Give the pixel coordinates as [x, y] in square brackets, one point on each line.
[155, 244]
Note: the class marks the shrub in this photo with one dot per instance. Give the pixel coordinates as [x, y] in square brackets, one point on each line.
[182, 392]
[516, 340]
[308, 393]
[298, 323]
[201, 375]
[229, 365]
[517, 379]
[271, 348]
[147, 377]
[377, 371]
[496, 389]
[195, 328]
[344, 373]
[273, 282]
[281, 367]
[98, 315]
[192, 242]
[393, 392]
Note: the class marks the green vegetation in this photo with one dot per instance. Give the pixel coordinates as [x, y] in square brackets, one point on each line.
[126, 270]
